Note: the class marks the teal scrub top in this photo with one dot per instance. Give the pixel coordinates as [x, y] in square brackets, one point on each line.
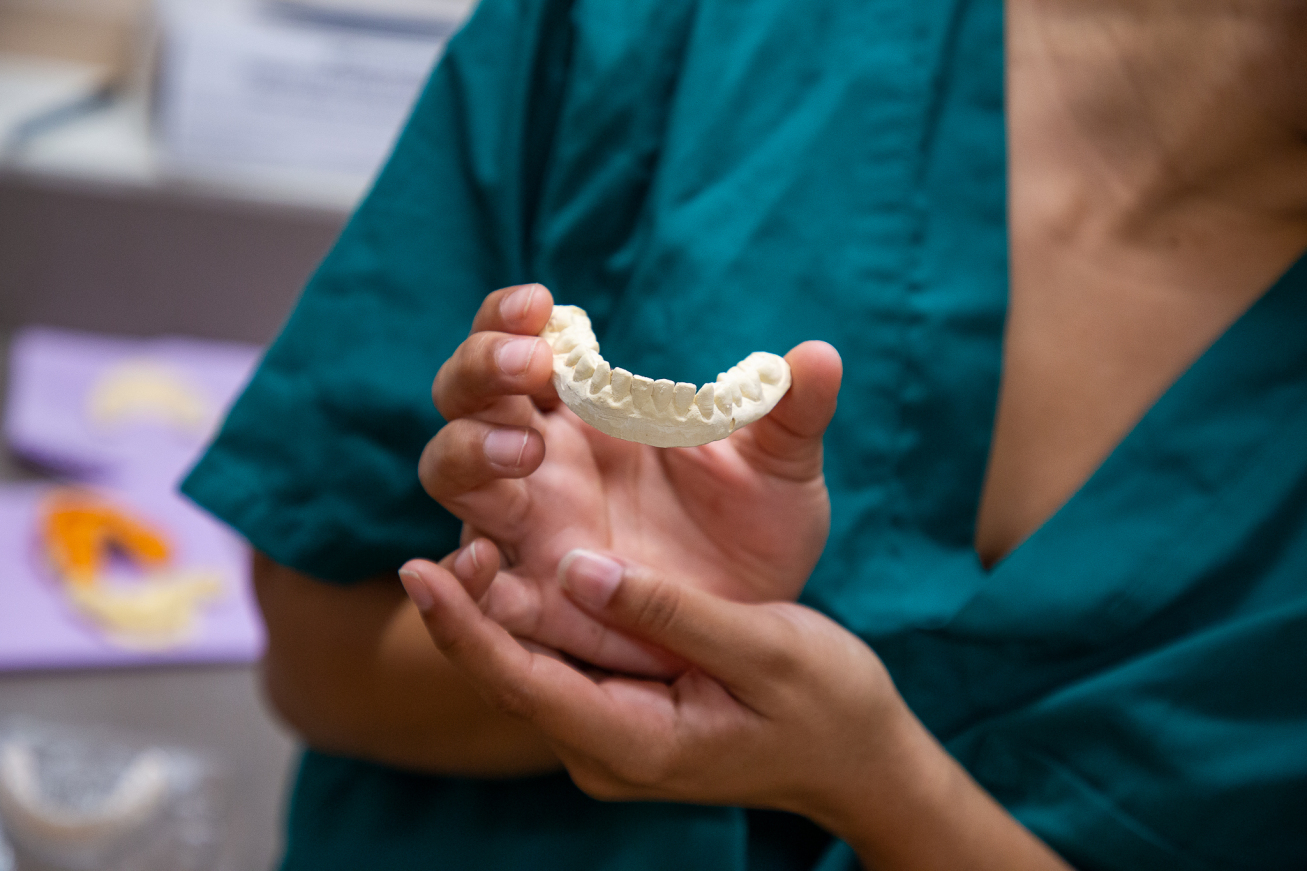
[712, 177]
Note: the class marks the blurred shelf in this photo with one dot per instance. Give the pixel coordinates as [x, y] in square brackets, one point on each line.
[112, 145]
[143, 259]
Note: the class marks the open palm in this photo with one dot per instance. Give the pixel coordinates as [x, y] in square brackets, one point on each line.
[745, 517]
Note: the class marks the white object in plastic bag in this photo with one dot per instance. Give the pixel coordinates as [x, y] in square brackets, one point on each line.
[73, 800]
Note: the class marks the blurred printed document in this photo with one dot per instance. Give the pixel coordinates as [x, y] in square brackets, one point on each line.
[313, 85]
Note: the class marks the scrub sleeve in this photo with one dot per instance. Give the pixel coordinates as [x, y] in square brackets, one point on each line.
[709, 178]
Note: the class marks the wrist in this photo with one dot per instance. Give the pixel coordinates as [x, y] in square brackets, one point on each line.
[911, 805]
[890, 802]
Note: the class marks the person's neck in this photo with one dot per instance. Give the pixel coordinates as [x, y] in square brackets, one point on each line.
[1182, 118]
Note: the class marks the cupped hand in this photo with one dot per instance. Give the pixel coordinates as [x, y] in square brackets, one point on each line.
[744, 518]
[779, 707]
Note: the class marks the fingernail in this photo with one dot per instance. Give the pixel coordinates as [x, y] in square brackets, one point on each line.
[466, 563]
[590, 578]
[513, 357]
[417, 589]
[504, 447]
[515, 306]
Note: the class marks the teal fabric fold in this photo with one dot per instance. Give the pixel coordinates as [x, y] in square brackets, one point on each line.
[713, 177]
[1145, 648]
[538, 822]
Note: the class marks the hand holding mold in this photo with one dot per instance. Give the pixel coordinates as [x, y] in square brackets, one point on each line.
[745, 515]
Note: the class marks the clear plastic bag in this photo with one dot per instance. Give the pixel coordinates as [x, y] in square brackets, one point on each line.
[84, 799]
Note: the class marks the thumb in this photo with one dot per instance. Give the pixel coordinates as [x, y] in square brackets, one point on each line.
[731, 641]
[787, 442]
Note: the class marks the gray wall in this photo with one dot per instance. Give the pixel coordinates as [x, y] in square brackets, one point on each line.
[140, 262]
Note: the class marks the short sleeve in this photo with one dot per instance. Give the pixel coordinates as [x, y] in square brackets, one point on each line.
[316, 464]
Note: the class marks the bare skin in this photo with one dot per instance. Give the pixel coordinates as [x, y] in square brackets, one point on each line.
[745, 517]
[764, 705]
[353, 672]
[1158, 186]
[352, 680]
[782, 708]
[1144, 223]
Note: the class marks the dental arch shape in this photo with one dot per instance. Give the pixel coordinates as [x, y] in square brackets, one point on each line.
[659, 413]
[138, 794]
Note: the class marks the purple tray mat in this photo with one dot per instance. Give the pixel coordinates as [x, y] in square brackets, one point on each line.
[51, 373]
[45, 423]
[39, 630]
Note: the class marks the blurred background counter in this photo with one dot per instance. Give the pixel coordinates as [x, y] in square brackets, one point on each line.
[179, 167]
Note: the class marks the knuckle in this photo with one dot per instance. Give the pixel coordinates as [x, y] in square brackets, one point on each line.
[658, 610]
[437, 388]
[514, 508]
[778, 663]
[440, 389]
[443, 466]
[465, 377]
[513, 605]
[511, 698]
[490, 312]
[777, 655]
[479, 362]
[430, 469]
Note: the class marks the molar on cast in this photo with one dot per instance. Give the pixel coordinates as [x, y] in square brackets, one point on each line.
[585, 367]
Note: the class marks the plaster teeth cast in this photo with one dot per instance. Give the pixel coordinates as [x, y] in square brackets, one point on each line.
[659, 413]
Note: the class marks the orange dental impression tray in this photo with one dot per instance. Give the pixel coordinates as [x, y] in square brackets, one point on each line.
[82, 532]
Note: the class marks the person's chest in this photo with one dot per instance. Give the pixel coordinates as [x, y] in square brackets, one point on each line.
[1141, 228]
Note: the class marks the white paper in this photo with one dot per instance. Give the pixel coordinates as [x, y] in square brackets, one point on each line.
[241, 85]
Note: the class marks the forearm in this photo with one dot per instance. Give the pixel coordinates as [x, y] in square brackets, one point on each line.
[917, 808]
[353, 671]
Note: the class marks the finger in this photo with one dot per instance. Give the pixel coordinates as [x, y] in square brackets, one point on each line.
[468, 534]
[475, 566]
[523, 309]
[787, 442]
[557, 698]
[467, 454]
[458, 469]
[540, 649]
[558, 623]
[548, 400]
[489, 367]
[735, 643]
[471, 533]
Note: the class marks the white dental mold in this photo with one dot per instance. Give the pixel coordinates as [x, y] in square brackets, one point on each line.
[52, 828]
[661, 413]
